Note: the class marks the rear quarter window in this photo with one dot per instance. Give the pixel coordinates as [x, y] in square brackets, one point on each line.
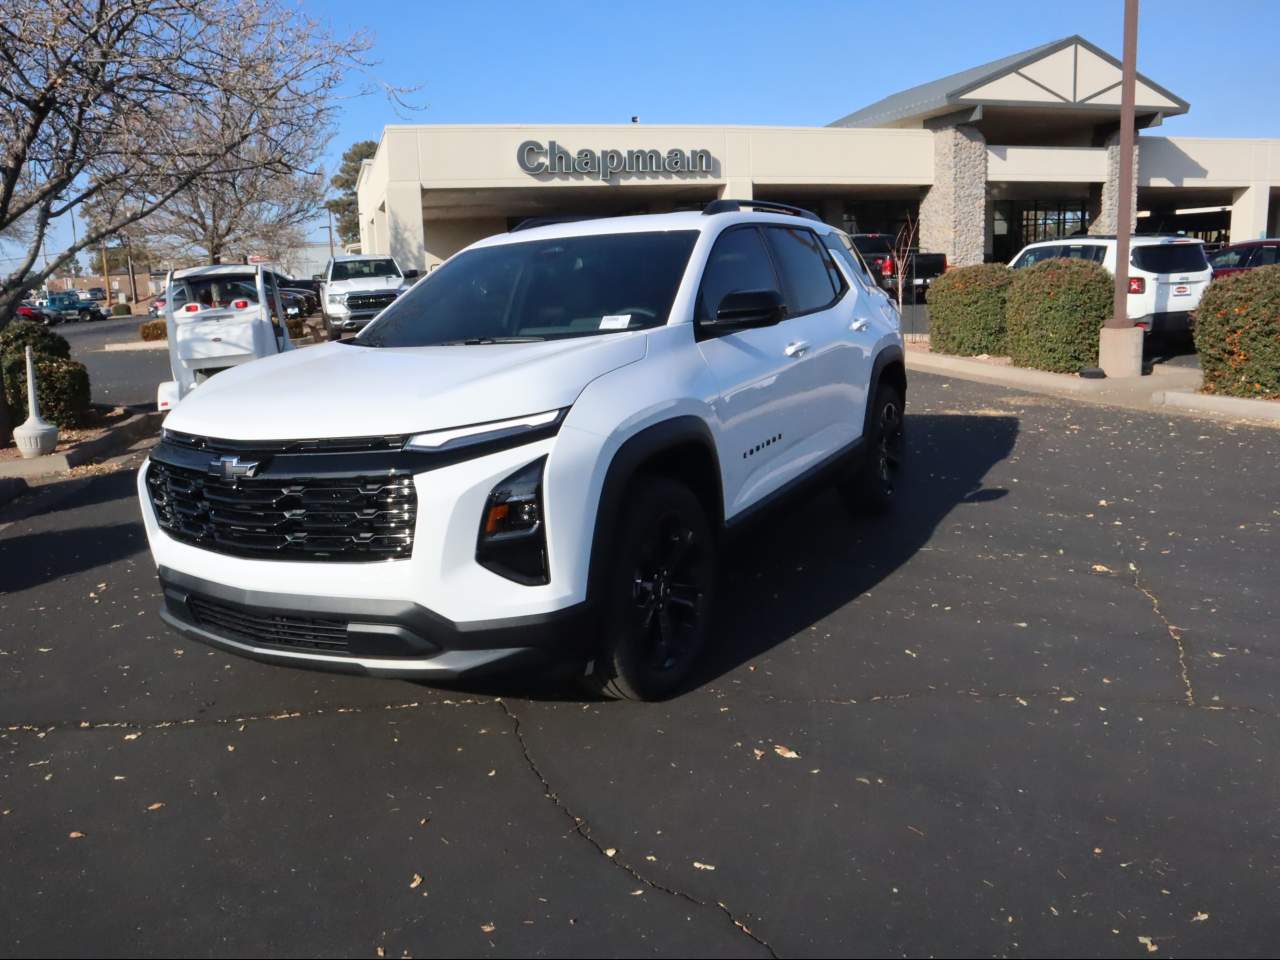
[1170, 258]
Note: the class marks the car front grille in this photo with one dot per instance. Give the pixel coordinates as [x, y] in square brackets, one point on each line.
[336, 518]
[321, 634]
[369, 301]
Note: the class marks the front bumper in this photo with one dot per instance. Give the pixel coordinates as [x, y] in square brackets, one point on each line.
[385, 638]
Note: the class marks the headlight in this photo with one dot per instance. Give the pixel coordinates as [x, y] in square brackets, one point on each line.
[504, 432]
[512, 540]
[337, 298]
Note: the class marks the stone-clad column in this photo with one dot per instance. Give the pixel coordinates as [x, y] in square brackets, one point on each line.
[1106, 206]
[953, 214]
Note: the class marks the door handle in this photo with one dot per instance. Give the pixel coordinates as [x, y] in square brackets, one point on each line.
[859, 325]
[797, 349]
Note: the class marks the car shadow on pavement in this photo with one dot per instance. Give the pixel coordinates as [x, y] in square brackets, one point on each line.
[811, 556]
[32, 559]
[814, 556]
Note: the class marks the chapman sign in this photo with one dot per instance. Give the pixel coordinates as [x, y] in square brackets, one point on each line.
[536, 159]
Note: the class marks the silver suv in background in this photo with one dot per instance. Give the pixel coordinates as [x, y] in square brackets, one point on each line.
[356, 287]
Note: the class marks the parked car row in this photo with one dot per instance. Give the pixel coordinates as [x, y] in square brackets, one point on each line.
[63, 307]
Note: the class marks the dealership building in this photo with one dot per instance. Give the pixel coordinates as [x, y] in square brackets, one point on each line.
[986, 160]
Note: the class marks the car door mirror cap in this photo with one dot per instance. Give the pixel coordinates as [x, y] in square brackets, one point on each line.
[746, 309]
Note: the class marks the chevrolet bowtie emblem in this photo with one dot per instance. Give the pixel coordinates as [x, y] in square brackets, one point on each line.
[232, 468]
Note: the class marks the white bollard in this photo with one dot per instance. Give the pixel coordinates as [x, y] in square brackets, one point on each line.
[35, 438]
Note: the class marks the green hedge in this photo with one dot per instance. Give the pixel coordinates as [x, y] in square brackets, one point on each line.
[62, 389]
[122, 310]
[1237, 331]
[967, 310]
[153, 330]
[1056, 309]
[19, 334]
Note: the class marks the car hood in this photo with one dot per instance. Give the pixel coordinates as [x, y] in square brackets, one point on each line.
[365, 285]
[343, 390]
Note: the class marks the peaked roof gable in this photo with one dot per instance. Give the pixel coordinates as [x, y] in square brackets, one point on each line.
[1071, 72]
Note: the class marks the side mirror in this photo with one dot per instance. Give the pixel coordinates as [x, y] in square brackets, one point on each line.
[744, 309]
[318, 277]
[412, 274]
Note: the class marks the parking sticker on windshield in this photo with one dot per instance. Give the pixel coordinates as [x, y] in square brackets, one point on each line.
[615, 321]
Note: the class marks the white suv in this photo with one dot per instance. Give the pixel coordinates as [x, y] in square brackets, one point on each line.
[533, 453]
[355, 289]
[1167, 275]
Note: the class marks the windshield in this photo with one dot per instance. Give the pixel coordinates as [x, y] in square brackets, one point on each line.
[363, 269]
[216, 291]
[540, 290]
[1170, 258]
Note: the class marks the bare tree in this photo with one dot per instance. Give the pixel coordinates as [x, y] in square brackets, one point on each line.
[240, 212]
[903, 258]
[118, 106]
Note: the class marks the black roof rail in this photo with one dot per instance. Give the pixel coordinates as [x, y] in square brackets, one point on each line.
[530, 222]
[768, 206]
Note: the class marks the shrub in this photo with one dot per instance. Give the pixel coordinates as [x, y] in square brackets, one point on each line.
[153, 330]
[1056, 309]
[62, 389]
[297, 327]
[122, 310]
[20, 334]
[1237, 331]
[967, 308]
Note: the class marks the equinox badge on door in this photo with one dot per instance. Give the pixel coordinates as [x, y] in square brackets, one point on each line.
[229, 467]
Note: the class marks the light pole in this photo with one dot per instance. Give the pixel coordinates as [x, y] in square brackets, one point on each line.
[1120, 342]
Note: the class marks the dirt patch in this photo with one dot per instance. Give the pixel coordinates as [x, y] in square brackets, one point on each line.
[97, 423]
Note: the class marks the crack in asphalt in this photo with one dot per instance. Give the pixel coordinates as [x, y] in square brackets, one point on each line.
[582, 830]
[1175, 633]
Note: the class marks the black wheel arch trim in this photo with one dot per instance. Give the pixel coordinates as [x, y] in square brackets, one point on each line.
[891, 354]
[642, 447]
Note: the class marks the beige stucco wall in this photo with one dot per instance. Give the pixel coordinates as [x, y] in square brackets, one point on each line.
[414, 160]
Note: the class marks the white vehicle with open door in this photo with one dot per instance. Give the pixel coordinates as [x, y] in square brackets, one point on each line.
[219, 317]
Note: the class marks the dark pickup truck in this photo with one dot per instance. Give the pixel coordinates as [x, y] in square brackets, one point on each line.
[70, 307]
[921, 268]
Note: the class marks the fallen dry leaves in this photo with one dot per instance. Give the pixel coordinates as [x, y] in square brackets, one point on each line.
[785, 752]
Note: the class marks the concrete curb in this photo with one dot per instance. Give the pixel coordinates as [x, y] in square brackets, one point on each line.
[1034, 380]
[1236, 407]
[138, 345]
[118, 439]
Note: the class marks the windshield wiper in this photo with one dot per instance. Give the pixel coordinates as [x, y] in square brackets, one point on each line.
[477, 341]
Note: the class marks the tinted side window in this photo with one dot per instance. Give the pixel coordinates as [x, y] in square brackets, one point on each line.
[1266, 256]
[1036, 254]
[738, 261]
[842, 248]
[807, 279]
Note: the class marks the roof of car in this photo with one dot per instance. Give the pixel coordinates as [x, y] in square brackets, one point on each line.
[1138, 240]
[647, 223]
[216, 270]
[347, 257]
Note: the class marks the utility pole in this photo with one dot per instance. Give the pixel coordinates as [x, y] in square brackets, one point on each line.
[1120, 343]
[330, 234]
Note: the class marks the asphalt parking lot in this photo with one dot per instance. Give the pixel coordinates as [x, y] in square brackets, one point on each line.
[1036, 712]
[124, 377]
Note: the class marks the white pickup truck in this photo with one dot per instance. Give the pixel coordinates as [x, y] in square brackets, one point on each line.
[356, 287]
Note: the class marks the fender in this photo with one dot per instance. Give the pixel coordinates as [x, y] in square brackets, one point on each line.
[890, 354]
[636, 450]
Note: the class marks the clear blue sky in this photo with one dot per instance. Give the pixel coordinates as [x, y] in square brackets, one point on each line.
[780, 62]
[551, 61]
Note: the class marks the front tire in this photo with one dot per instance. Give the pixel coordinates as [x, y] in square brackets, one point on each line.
[657, 596]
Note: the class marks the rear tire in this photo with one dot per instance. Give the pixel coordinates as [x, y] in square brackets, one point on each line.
[873, 487]
[656, 597]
